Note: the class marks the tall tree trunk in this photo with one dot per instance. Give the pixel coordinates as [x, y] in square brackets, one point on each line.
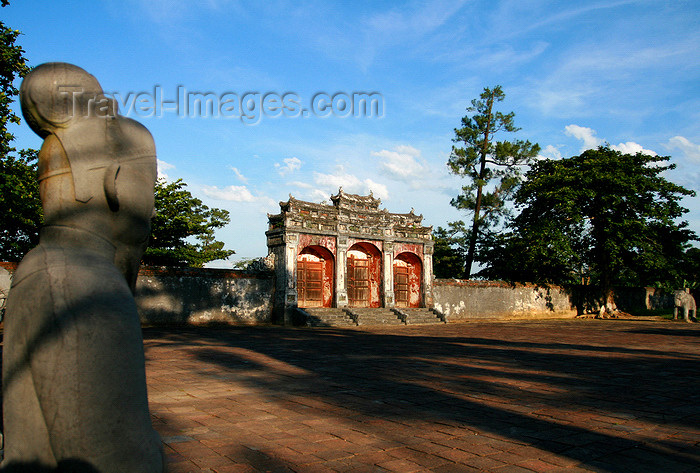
[479, 190]
[475, 224]
[607, 303]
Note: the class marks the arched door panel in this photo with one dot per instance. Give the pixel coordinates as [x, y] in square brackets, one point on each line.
[364, 266]
[315, 277]
[407, 280]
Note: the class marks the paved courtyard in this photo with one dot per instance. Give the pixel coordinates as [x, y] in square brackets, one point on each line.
[544, 396]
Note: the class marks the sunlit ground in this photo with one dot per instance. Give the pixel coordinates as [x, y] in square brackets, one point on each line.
[569, 395]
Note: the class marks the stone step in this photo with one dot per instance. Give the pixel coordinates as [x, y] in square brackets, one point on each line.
[330, 323]
[375, 316]
[323, 310]
[351, 317]
[327, 317]
[420, 316]
[370, 310]
[372, 321]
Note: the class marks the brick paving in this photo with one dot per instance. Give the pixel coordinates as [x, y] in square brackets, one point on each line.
[535, 396]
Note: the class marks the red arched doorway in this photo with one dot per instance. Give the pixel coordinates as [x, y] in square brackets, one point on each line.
[408, 270]
[315, 277]
[364, 275]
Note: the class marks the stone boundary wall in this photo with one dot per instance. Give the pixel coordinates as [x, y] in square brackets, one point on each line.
[462, 300]
[200, 296]
[470, 299]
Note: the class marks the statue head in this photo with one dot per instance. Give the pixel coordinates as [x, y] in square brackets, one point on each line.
[55, 94]
[96, 168]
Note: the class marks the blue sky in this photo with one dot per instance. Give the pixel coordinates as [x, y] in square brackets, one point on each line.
[576, 74]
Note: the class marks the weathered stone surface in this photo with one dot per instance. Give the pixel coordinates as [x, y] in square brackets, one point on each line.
[686, 302]
[5, 281]
[197, 296]
[73, 371]
[201, 296]
[464, 300]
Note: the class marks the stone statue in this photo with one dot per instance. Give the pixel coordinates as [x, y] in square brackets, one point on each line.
[683, 300]
[73, 371]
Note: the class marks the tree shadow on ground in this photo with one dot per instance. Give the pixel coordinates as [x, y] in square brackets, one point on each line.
[677, 332]
[526, 386]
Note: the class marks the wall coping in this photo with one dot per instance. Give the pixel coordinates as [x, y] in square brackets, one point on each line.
[216, 273]
[505, 284]
[484, 283]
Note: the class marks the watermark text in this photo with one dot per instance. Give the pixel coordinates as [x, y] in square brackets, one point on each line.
[248, 107]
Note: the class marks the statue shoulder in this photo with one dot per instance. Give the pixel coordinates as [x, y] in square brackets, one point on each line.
[137, 136]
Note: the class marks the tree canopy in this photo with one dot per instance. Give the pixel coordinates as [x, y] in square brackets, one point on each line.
[492, 167]
[449, 250]
[182, 231]
[603, 217]
[21, 213]
[13, 64]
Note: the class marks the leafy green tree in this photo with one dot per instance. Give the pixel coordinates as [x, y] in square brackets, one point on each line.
[13, 64]
[21, 214]
[604, 217]
[544, 253]
[449, 250]
[182, 231]
[492, 167]
[690, 268]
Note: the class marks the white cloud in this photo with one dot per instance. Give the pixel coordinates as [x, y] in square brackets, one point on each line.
[688, 148]
[290, 165]
[402, 163]
[632, 148]
[303, 185]
[587, 135]
[165, 11]
[162, 167]
[231, 193]
[591, 141]
[412, 22]
[349, 182]
[238, 174]
[550, 152]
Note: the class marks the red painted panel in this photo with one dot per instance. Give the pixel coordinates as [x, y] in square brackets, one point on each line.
[414, 248]
[364, 275]
[327, 242]
[377, 244]
[408, 272]
[314, 289]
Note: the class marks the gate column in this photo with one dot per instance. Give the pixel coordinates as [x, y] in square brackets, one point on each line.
[341, 292]
[389, 300]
